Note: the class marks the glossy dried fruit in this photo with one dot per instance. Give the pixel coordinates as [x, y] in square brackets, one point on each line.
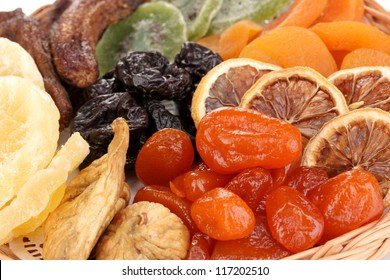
[222, 215]
[305, 178]
[347, 202]
[294, 221]
[231, 139]
[201, 247]
[165, 155]
[144, 231]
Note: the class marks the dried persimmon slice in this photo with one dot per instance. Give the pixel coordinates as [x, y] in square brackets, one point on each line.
[364, 87]
[298, 95]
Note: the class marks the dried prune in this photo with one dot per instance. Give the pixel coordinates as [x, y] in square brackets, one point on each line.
[150, 75]
[93, 121]
[160, 117]
[196, 60]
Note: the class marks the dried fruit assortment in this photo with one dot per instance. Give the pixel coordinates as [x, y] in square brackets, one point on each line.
[254, 129]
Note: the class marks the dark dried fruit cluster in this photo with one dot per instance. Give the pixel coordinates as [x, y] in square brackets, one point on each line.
[140, 89]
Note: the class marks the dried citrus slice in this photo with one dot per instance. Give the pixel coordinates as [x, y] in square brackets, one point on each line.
[16, 61]
[364, 87]
[299, 95]
[29, 133]
[225, 84]
[357, 140]
[43, 192]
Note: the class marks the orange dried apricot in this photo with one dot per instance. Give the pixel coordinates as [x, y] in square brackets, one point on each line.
[231, 139]
[295, 46]
[352, 35]
[365, 57]
[236, 37]
[201, 247]
[280, 175]
[304, 178]
[210, 41]
[347, 202]
[165, 155]
[294, 221]
[223, 215]
[259, 245]
[339, 10]
[253, 52]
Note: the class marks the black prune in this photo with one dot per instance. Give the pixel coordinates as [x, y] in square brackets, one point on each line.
[93, 121]
[196, 60]
[160, 117]
[150, 75]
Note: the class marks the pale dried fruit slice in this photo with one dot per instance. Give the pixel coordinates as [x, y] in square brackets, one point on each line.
[364, 87]
[29, 133]
[73, 229]
[225, 84]
[16, 61]
[298, 95]
[357, 140]
[43, 192]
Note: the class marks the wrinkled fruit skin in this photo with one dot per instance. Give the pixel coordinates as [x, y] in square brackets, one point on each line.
[305, 178]
[201, 247]
[231, 139]
[165, 155]
[222, 215]
[294, 221]
[347, 202]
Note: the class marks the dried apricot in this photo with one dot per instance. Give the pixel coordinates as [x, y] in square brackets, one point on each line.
[252, 185]
[306, 178]
[280, 175]
[223, 215]
[231, 139]
[210, 41]
[201, 247]
[294, 221]
[295, 46]
[351, 35]
[365, 57]
[164, 196]
[258, 245]
[339, 10]
[165, 155]
[347, 201]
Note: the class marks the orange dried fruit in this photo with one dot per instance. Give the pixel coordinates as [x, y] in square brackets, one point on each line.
[352, 35]
[296, 46]
[236, 37]
[225, 84]
[211, 42]
[298, 95]
[339, 10]
[253, 52]
[301, 13]
[357, 140]
[365, 57]
[364, 87]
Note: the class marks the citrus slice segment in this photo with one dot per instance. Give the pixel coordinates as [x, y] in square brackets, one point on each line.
[298, 95]
[43, 192]
[16, 61]
[364, 87]
[357, 140]
[29, 133]
[225, 84]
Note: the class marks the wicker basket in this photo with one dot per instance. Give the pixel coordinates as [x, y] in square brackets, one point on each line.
[371, 241]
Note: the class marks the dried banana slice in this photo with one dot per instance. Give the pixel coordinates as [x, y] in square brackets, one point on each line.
[92, 199]
[144, 231]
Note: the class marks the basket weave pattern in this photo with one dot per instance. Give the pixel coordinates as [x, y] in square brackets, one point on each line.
[371, 241]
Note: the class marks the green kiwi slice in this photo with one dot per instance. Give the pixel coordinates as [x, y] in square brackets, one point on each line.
[236, 10]
[157, 26]
[197, 14]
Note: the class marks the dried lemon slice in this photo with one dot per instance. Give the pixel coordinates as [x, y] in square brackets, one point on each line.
[43, 192]
[29, 133]
[298, 95]
[357, 140]
[364, 87]
[16, 61]
[225, 84]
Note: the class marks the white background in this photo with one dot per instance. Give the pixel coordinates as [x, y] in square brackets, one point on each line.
[30, 6]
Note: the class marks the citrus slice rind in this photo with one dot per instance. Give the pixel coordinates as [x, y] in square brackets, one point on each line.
[30, 131]
[359, 139]
[298, 95]
[364, 87]
[16, 61]
[225, 84]
[43, 192]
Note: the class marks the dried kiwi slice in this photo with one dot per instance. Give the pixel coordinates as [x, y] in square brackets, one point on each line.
[157, 26]
[197, 14]
[256, 10]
